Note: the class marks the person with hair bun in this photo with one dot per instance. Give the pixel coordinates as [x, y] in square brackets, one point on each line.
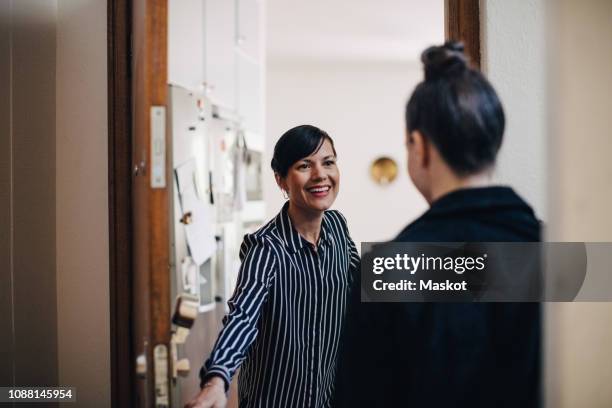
[287, 311]
[449, 354]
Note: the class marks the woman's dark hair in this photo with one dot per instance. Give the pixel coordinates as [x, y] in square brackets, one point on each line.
[295, 144]
[457, 109]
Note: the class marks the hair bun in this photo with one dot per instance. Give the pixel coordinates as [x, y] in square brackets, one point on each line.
[444, 61]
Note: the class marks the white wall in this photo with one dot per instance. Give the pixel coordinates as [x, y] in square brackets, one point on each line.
[513, 46]
[361, 106]
[82, 201]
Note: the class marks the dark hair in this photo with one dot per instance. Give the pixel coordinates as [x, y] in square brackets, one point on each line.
[295, 144]
[457, 109]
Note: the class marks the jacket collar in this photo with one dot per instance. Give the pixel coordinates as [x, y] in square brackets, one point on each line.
[291, 238]
[478, 199]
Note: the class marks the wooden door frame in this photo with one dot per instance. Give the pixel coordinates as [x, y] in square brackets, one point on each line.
[462, 22]
[119, 23]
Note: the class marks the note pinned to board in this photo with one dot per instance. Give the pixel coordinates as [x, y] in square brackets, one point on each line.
[199, 232]
[186, 177]
[198, 218]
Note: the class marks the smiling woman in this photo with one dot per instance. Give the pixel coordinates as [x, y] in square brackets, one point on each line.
[287, 312]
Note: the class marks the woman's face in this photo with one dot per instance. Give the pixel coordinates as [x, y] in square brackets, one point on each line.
[312, 183]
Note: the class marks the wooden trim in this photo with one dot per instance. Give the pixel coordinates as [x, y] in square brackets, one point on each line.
[151, 206]
[462, 22]
[159, 223]
[120, 201]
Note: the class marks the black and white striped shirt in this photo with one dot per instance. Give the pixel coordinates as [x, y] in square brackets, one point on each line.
[286, 315]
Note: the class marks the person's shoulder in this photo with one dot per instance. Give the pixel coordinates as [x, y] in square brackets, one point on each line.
[259, 254]
[337, 217]
[265, 231]
[264, 239]
[336, 220]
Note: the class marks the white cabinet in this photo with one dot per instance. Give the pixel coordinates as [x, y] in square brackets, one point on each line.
[250, 96]
[186, 43]
[248, 31]
[249, 61]
[219, 46]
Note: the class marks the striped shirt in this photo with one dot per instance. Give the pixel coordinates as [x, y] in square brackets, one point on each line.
[286, 315]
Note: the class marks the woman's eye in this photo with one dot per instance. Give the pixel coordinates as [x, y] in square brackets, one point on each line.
[303, 166]
[330, 162]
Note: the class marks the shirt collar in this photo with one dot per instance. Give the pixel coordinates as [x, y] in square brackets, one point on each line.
[292, 239]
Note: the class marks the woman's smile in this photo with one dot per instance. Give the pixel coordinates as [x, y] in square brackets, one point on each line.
[319, 191]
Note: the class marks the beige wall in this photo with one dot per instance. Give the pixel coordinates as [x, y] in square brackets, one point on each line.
[54, 297]
[579, 352]
[27, 198]
[6, 280]
[82, 201]
[551, 63]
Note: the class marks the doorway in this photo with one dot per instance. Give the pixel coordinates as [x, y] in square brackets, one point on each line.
[142, 63]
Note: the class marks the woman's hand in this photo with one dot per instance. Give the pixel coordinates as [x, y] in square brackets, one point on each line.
[211, 396]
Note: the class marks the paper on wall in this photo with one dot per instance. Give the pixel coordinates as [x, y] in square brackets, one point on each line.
[200, 231]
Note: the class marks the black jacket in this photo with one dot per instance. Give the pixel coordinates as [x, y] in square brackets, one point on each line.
[448, 355]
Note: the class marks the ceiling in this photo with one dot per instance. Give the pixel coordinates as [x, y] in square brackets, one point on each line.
[364, 30]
